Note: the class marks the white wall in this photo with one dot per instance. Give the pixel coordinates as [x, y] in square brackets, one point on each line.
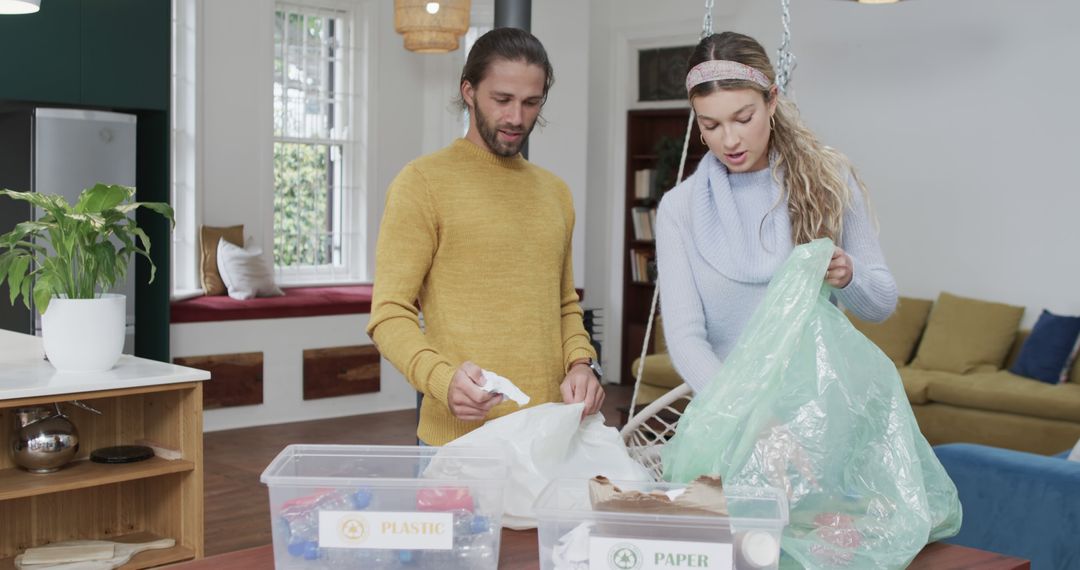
[562, 145]
[958, 115]
[236, 108]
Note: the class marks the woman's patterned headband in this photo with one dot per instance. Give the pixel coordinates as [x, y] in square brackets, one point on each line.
[721, 69]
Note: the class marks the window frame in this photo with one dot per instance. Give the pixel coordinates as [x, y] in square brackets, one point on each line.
[352, 187]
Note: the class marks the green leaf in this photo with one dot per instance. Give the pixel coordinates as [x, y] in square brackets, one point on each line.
[43, 293]
[16, 274]
[23, 229]
[107, 263]
[39, 200]
[102, 197]
[143, 238]
[161, 208]
[6, 259]
[93, 219]
[24, 290]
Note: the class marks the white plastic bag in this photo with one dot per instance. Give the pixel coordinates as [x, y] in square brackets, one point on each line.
[547, 442]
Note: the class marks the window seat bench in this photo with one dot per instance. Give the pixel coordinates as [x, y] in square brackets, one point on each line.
[297, 302]
[297, 357]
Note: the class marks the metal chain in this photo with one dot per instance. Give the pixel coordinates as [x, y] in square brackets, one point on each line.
[785, 60]
[706, 24]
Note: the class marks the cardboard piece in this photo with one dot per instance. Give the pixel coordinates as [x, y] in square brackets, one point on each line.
[703, 496]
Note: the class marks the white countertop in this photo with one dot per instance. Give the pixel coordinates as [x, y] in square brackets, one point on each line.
[36, 377]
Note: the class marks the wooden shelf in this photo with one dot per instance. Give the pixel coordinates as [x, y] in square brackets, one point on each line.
[644, 129]
[145, 559]
[16, 483]
[138, 399]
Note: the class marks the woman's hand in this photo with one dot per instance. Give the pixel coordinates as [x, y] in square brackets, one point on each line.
[840, 269]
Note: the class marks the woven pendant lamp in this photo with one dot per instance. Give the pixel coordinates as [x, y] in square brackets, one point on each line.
[431, 27]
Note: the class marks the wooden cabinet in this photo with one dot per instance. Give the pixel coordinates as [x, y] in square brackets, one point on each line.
[653, 135]
[134, 502]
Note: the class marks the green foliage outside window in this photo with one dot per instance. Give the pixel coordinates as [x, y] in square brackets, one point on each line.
[301, 235]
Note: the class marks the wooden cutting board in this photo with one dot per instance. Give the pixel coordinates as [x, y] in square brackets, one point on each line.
[122, 553]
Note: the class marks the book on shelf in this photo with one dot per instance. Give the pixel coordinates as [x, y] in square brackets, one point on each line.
[644, 220]
[645, 184]
[643, 266]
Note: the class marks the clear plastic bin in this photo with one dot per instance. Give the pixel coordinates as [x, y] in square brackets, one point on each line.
[370, 506]
[572, 535]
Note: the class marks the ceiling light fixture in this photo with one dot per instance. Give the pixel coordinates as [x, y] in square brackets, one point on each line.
[19, 6]
[431, 27]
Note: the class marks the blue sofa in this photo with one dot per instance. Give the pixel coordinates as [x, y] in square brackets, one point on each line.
[1017, 503]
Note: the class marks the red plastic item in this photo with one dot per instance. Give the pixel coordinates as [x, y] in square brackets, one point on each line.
[444, 499]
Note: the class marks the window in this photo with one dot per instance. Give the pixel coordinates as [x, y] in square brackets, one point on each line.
[185, 252]
[315, 200]
[471, 36]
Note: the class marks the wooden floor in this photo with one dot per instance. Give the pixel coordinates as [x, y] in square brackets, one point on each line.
[237, 505]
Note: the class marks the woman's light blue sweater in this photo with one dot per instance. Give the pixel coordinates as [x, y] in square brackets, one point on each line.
[720, 236]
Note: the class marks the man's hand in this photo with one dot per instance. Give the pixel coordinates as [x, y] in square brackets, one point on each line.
[581, 385]
[467, 401]
[840, 269]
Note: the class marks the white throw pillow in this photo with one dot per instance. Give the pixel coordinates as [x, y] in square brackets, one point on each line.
[1075, 455]
[245, 273]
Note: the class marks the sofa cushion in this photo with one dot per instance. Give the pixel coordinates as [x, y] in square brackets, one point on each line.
[898, 335]
[208, 247]
[967, 335]
[648, 394]
[1049, 350]
[1003, 391]
[659, 371]
[917, 383]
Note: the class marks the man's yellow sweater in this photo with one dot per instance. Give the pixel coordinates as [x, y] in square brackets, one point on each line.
[483, 243]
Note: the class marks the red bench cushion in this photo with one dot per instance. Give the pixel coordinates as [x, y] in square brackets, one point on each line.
[297, 302]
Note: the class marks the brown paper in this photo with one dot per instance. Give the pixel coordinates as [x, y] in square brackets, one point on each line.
[703, 496]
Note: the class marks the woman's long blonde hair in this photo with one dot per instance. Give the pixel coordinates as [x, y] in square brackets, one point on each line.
[814, 177]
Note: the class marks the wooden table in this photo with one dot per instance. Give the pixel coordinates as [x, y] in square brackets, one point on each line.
[519, 550]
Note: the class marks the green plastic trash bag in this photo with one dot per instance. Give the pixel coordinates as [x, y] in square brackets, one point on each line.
[807, 404]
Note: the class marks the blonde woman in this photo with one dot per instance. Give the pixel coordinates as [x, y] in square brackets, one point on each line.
[766, 185]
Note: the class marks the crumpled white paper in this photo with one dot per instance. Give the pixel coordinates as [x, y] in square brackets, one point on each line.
[572, 550]
[499, 385]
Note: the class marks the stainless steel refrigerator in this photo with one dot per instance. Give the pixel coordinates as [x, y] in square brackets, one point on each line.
[62, 151]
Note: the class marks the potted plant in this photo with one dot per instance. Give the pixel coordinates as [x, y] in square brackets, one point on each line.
[67, 260]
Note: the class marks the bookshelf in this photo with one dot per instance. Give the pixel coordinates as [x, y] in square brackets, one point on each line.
[654, 140]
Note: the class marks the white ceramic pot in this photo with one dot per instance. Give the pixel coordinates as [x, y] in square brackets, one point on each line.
[84, 335]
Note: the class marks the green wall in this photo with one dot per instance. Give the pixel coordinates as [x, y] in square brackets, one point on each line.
[112, 55]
